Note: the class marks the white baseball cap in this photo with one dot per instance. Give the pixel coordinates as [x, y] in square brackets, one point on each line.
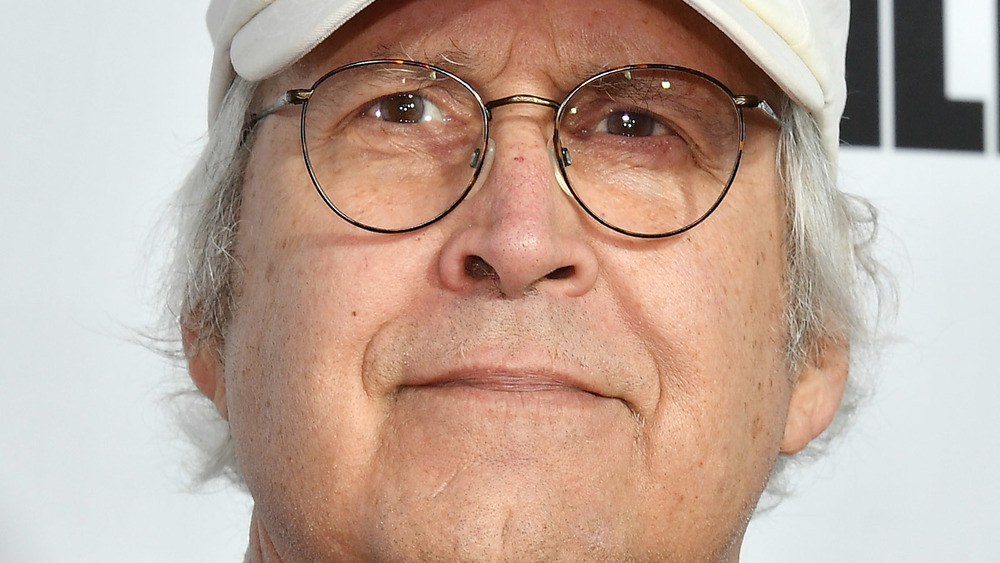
[800, 44]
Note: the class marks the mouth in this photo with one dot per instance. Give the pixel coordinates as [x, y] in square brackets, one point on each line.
[506, 381]
[532, 388]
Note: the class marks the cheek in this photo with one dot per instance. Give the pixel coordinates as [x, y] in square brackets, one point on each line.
[713, 306]
[312, 294]
[308, 308]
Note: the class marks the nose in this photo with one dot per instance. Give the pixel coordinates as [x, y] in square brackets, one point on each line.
[520, 233]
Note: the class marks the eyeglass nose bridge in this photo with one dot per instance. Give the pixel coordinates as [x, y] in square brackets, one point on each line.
[520, 99]
[563, 159]
[529, 99]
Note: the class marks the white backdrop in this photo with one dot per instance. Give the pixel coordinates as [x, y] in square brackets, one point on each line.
[103, 112]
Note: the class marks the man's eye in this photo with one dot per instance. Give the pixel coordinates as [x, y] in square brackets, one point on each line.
[630, 123]
[406, 107]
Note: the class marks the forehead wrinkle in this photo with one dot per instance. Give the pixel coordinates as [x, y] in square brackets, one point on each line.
[547, 57]
[594, 49]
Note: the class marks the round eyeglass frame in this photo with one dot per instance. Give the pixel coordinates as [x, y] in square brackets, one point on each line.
[302, 97]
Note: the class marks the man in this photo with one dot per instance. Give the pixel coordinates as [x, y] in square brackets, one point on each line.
[527, 281]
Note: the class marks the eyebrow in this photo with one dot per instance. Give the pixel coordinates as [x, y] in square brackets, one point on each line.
[450, 59]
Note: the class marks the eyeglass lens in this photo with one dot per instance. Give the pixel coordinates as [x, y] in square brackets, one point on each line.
[647, 151]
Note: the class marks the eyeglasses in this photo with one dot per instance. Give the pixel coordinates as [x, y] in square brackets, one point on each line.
[394, 145]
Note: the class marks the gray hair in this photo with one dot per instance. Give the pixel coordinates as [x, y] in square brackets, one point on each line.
[201, 283]
[836, 289]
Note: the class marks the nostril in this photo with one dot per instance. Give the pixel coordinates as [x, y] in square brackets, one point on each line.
[561, 273]
[477, 268]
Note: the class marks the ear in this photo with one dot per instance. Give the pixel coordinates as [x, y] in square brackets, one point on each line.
[816, 396]
[204, 366]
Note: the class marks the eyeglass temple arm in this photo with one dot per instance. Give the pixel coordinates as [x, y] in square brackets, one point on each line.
[291, 97]
[755, 102]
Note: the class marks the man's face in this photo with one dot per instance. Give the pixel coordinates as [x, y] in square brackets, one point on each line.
[585, 396]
